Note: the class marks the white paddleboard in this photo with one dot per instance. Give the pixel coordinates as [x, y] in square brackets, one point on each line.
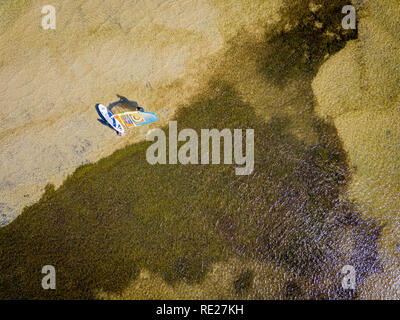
[108, 116]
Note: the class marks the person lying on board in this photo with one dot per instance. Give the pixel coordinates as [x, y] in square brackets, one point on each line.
[133, 104]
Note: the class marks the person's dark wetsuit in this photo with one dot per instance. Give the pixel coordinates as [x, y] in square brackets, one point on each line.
[133, 104]
[122, 99]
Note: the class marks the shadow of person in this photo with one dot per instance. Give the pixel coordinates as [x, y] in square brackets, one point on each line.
[103, 122]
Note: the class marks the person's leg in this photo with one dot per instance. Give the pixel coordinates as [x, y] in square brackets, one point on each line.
[122, 99]
[133, 104]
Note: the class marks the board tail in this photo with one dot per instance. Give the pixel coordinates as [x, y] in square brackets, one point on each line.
[108, 116]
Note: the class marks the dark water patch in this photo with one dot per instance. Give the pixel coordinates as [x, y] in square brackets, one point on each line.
[292, 290]
[292, 209]
[244, 282]
[308, 33]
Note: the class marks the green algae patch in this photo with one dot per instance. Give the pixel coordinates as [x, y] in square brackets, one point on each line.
[244, 282]
[11, 10]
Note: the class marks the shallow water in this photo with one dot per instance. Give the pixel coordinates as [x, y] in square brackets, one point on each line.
[291, 219]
